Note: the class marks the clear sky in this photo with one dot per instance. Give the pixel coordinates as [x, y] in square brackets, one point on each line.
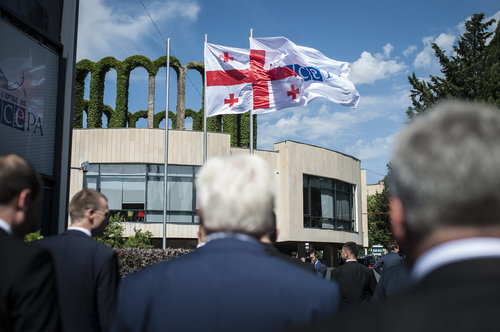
[385, 41]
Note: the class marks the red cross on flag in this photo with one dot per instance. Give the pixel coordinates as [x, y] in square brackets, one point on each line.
[273, 74]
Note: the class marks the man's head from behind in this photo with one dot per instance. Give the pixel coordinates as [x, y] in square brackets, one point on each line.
[445, 176]
[89, 209]
[350, 250]
[235, 194]
[20, 193]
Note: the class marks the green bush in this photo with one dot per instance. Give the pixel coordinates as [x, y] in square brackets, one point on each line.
[34, 236]
[140, 239]
[135, 259]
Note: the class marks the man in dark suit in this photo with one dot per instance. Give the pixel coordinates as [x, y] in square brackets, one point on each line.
[390, 259]
[357, 282]
[445, 209]
[87, 270]
[230, 283]
[319, 267]
[28, 296]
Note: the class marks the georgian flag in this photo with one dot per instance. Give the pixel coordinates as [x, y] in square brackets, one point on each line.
[274, 74]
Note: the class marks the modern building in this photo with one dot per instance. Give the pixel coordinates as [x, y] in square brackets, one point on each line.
[321, 196]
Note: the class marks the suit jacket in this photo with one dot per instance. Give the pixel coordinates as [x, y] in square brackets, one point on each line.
[357, 282]
[87, 280]
[321, 269]
[226, 285]
[394, 280]
[387, 261]
[461, 296]
[28, 296]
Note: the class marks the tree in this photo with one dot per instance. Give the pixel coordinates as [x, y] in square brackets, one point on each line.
[113, 235]
[471, 73]
[378, 216]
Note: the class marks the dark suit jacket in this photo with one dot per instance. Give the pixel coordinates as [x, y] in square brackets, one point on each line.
[226, 285]
[387, 261]
[357, 282]
[394, 280]
[321, 269]
[87, 280]
[462, 296]
[28, 296]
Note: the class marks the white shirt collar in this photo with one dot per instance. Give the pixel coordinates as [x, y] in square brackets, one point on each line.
[455, 251]
[351, 260]
[81, 229]
[225, 235]
[6, 227]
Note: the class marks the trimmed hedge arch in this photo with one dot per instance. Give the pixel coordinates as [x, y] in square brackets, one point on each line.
[122, 117]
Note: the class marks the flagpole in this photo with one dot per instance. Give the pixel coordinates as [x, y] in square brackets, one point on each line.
[251, 115]
[165, 176]
[205, 115]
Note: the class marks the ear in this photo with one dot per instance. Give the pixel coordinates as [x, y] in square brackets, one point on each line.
[397, 219]
[277, 233]
[23, 199]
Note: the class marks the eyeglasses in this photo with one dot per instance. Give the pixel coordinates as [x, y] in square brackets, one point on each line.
[106, 214]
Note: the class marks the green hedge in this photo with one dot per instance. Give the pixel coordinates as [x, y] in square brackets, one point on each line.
[134, 259]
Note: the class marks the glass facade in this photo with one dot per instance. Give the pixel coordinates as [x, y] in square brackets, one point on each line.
[328, 203]
[136, 191]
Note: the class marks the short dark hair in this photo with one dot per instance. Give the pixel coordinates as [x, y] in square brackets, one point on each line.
[393, 245]
[83, 200]
[17, 174]
[352, 248]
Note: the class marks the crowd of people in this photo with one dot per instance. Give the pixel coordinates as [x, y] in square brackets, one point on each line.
[445, 210]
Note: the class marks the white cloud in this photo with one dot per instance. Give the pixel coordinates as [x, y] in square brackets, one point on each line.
[119, 32]
[388, 48]
[372, 149]
[410, 50]
[426, 58]
[324, 126]
[370, 68]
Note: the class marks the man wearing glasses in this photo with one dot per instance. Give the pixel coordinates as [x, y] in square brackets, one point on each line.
[87, 271]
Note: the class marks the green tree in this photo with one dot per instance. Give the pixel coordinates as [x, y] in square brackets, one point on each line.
[471, 73]
[379, 231]
[140, 239]
[113, 233]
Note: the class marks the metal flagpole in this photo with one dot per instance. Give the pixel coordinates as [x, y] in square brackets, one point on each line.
[165, 177]
[205, 116]
[251, 115]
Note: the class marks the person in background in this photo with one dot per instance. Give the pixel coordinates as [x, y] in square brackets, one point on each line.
[28, 294]
[319, 267]
[390, 259]
[357, 282]
[87, 270]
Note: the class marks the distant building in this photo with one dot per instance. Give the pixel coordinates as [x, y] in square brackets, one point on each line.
[372, 189]
[320, 193]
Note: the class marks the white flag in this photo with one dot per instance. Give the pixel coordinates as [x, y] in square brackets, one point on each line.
[274, 74]
[227, 87]
[318, 75]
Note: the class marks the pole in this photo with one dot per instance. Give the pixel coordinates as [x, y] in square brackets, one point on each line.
[205, 116]
[165, 177]
[251, 115]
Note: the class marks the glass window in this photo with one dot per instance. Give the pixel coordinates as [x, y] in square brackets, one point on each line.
[136, 191]
[328, 203]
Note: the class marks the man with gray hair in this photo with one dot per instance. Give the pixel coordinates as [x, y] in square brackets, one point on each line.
[445, 209]
[230, 283]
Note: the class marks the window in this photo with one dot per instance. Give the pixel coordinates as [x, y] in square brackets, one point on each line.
[328, 203]
[136, 190]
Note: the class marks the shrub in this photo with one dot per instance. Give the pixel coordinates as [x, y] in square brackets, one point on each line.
[135, 259]
[34, 236]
